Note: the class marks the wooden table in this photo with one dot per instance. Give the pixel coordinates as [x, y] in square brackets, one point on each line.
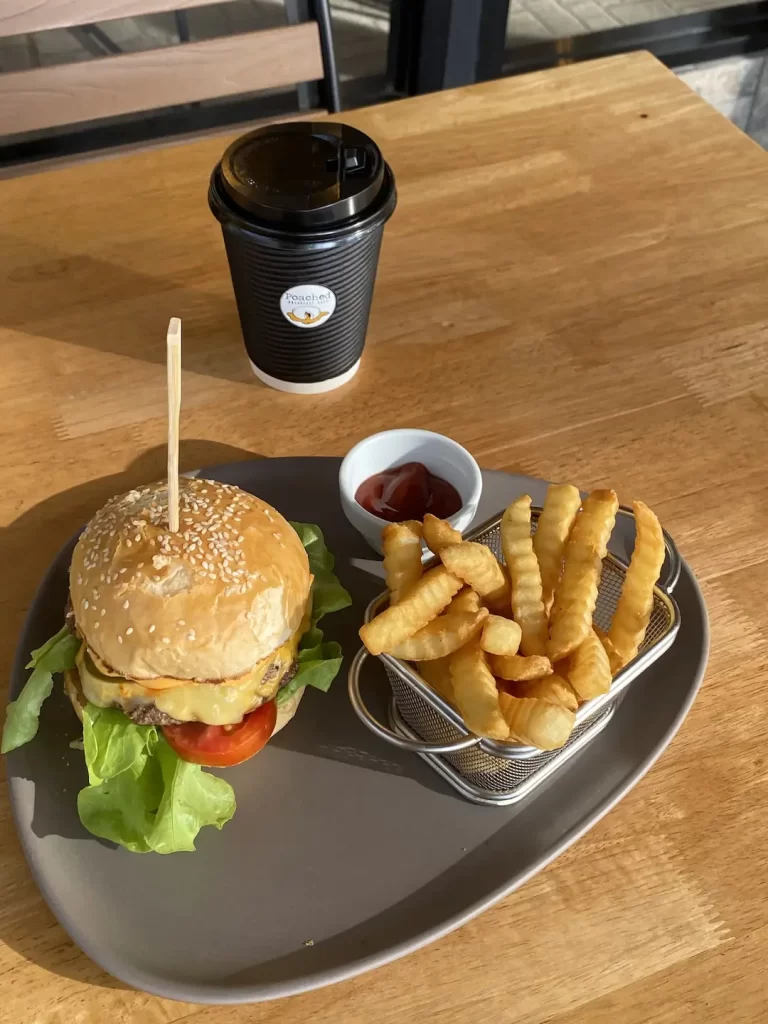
[574, 286]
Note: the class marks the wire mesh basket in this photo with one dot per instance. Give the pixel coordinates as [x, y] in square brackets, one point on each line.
[489, 771]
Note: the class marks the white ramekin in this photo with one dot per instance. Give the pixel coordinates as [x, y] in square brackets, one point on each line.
[440, 454]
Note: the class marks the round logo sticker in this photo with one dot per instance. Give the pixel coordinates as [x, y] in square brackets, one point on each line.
[308, 305]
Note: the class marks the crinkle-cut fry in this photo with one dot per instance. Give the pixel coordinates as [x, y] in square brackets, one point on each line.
[401, 543]
[576, 593]
[524, 576]
[441, 637]
[589, 670]
[423, 602]
[633, 612]
[558, 515]
[438, 533]
[500, 636]
[614, 658]
[552, 688]
[517, 668]
[537, 723]
[475, 693]
[465, 601]
[478, 567]
[438, 675]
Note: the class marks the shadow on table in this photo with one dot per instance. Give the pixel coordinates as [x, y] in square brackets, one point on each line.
[65, 297]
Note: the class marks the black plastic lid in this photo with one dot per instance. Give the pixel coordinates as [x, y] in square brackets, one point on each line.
[304, 174]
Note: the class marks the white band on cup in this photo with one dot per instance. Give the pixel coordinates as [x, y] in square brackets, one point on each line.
[315, 388]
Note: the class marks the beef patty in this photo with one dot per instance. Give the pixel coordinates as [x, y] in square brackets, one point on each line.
[149, 714]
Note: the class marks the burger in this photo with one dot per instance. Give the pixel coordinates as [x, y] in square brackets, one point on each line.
[184, 649]
[198, 627]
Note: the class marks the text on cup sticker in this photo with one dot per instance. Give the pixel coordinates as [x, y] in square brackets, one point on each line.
[308, 305]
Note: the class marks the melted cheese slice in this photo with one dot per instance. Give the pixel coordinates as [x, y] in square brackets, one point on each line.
[212, 703]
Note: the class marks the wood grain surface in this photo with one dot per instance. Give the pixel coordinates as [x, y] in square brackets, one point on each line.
[573, 286]
[63, 94]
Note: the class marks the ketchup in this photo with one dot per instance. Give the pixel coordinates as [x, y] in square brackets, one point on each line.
[408, 492]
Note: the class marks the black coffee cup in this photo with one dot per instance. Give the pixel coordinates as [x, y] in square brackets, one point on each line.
[302, 208]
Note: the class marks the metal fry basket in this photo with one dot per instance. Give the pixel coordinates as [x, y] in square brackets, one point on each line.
[488, 771]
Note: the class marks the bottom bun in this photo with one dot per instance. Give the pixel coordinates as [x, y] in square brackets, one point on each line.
[287, 710]
[73, 690]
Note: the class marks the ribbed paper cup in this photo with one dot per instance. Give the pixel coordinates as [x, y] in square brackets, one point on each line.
[302, 208]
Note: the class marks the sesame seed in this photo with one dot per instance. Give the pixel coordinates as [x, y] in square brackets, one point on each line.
[129, 631]
[137, 538]
[103, 612]
[128, 543]
[191, 635]
[151, 629]
[126, 604]
[79, 579]
[85, 605]
[119, 639]
[122, 571]
[96, 625]
[102, 577]
[166, 640]
[182, 622]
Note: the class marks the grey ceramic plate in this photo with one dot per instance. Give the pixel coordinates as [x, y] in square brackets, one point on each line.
[338, 838]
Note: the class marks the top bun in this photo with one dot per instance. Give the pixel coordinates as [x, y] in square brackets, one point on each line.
[206, 603]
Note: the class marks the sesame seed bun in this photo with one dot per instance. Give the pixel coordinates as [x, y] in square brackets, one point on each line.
[207, 603]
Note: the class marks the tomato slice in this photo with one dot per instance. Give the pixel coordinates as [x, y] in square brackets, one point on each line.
[220, 746]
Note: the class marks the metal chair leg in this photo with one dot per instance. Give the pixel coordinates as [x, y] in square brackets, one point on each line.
[182, 26]
[327, 94]
[331, 90]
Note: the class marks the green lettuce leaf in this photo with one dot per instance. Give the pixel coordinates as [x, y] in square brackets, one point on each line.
[319, 662]
[318, 666]
[22, 716]
[123, 809]
[142, 795]
[328, 595]
[191, 798]
[112, 743]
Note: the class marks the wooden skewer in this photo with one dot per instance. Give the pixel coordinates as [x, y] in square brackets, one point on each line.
[173, 343]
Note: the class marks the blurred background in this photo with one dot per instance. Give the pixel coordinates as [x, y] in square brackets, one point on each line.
[384, 49]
